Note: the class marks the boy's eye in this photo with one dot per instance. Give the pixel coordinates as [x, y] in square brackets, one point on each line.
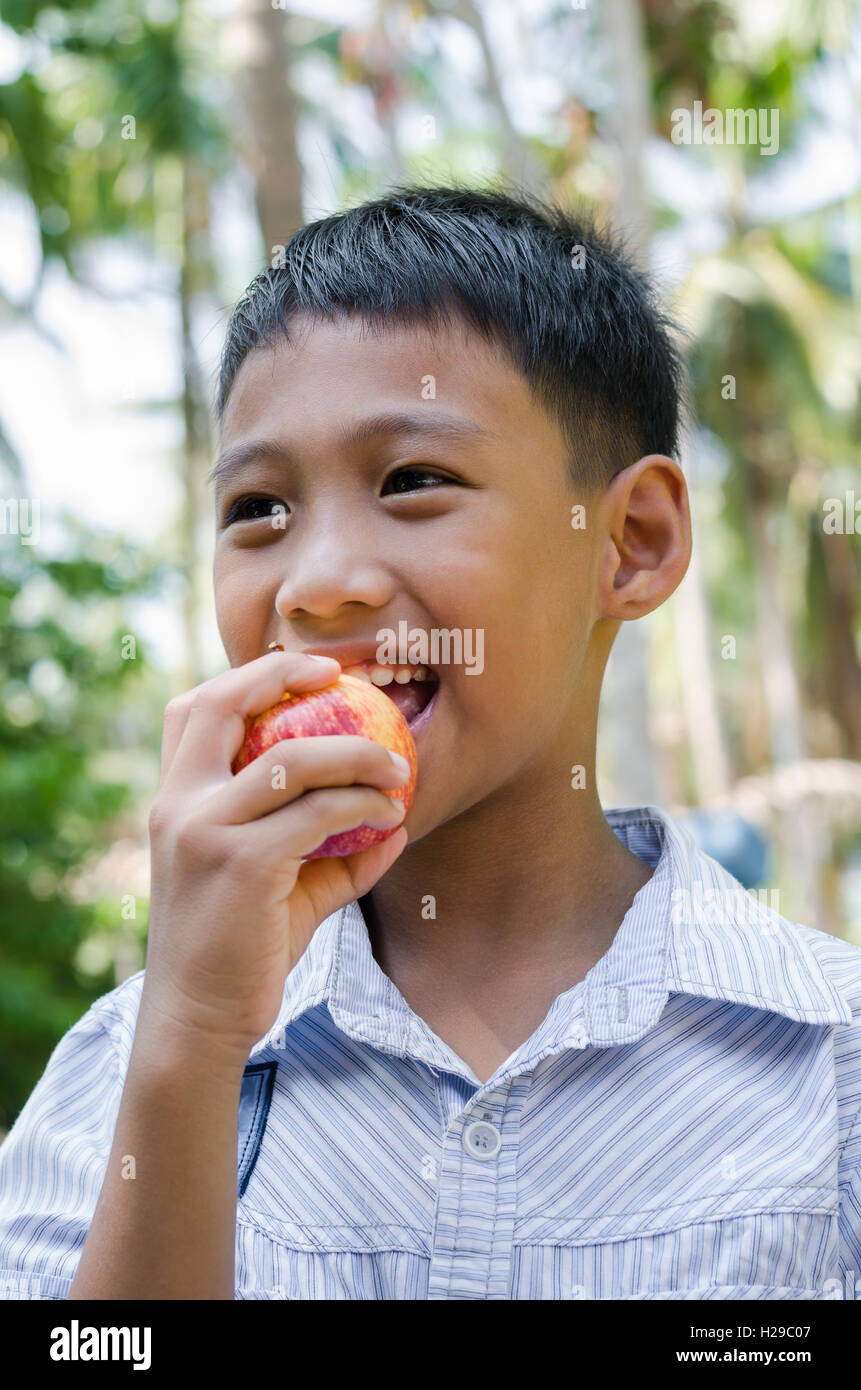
[254, 508]
[251, 509]
[404, 479]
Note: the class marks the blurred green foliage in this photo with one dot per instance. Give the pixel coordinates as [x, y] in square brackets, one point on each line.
[68, 696]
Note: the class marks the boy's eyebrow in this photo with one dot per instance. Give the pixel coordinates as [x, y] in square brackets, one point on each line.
[449, 427]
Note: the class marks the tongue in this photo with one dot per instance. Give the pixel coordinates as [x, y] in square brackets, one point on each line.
[410, 698]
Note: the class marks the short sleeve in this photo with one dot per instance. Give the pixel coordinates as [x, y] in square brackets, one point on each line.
[54, 1158]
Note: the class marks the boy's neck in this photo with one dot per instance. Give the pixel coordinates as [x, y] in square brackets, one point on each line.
[522, 888]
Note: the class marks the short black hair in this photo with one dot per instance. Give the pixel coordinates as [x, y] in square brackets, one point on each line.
[554, 292]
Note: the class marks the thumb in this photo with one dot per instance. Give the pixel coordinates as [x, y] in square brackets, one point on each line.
[332, 882]
[369, 865]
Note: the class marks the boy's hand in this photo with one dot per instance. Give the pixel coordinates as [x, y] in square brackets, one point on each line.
[232, 905]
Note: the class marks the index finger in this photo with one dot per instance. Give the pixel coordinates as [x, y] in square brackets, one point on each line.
[204, 728]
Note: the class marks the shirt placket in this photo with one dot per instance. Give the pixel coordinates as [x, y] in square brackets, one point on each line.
[476, 1205]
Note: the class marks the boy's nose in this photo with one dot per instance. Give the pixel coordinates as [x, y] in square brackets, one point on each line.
[330, 573]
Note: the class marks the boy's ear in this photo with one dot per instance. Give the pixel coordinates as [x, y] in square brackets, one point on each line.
[645, 531]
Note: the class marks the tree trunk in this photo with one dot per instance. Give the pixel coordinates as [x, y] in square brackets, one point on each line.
[626, 691]
[259, 41]
[843, 671]
[803, 831]
[696, 647]
[517, 159]
[633, 125]
[632, 121]
[194, 275]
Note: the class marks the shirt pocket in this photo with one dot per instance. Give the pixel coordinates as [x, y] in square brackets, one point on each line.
[787, 1249]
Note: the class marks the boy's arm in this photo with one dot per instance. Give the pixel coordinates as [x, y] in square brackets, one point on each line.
[106, 1097]
[52, 1161]
[165, 1222]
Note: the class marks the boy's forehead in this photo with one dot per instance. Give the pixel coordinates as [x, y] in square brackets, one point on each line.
[331, 371]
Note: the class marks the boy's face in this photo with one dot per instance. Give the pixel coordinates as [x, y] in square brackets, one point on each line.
[410, 523]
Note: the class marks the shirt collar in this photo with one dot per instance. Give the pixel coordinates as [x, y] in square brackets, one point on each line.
[691, 929]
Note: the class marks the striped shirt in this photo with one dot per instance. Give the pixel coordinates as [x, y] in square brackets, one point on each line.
[685, 1123]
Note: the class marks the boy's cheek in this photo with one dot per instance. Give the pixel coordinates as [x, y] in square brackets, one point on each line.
[241, 618]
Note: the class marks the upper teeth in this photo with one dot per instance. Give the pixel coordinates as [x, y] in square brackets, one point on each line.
[384, 675]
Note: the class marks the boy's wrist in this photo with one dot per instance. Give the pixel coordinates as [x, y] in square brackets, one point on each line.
[166, 1041]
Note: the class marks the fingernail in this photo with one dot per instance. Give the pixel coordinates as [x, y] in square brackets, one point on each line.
[400, 763]
[312, 657]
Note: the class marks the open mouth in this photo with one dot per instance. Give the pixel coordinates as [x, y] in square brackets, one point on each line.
[411, 688]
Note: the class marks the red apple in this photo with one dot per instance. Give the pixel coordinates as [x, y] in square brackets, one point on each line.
[349, 706]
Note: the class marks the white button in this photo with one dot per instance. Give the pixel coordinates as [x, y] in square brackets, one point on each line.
[481, 1140]
[578, 1037]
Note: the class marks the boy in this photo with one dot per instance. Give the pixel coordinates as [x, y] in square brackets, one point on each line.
[499, 1055]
